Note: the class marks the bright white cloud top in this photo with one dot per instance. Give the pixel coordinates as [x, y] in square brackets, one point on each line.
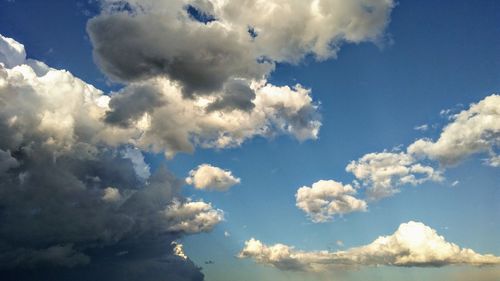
[209, 177]
[327, 198]
[413, 244]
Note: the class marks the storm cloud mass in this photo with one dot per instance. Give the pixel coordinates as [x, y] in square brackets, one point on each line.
[73, 202]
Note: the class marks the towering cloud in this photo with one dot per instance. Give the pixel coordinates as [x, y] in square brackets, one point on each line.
[413, 244]
[325, 199]
[74, 193]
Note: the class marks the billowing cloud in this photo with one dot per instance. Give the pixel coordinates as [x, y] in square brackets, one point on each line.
[383, 172]
[177, 124]
[413, 244]
[12, 53]
[327, 198]
[139, 39]
[474, 130]
[192, 216]
[208, 177]
[203, 81]
[74, 190]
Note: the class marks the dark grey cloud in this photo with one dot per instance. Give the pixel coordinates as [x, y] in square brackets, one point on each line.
[72, 197]
[132, 102]
[201, 58]
[236, 95]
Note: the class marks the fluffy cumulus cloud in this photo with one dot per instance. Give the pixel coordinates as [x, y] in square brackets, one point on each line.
[209, 177]
[177, 124]
[383, 172]
[474, 130]
[413, 244]
[192, 217]
[77, 199]
[325, 199]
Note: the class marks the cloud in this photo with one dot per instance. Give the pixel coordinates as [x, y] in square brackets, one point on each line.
[142, 170]
[192, 217]
[179, 250]
[61, 165]
[111, 194]
[413, 244]
[474, 130]
[325, 199]
[12, 53]
[383, 172]
[7, 161]
[179, 124]
[136, 40]
[209, 177]
[198, 82]
[421, 128]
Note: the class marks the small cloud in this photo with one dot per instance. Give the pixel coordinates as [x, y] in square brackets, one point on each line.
[421, 128]
[111, 194]
[209, 177]
[339, 243]
[227, 234]
[455, 183]
[179, 250]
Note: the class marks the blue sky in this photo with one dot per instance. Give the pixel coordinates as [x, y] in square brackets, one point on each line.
[437, 55]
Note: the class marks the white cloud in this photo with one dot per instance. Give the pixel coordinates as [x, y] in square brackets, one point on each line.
[12, 53]
[471, 131]
[111, 194]
[421, 128]
[227, 234]
[179, 250]
[181, 94]
[137, 159]
[192, 217]
[66, 112]
[493, 161]
[209, 177]
[383, 172]
[179, 124]
[327, 198]
[413, 244]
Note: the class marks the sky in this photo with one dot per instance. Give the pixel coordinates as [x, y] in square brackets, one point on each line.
[246, 140]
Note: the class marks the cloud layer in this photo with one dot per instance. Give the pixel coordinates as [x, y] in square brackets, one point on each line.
[413, 244]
